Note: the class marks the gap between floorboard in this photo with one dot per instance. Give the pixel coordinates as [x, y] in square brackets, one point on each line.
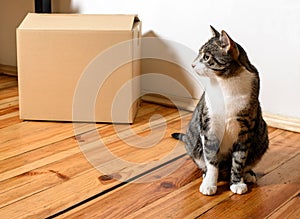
[116, 186]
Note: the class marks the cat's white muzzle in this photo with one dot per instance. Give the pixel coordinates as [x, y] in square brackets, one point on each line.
[202, 70]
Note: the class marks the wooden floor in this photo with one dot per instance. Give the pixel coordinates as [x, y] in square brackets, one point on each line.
[138, 171]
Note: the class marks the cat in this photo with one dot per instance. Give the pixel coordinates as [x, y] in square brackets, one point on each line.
[232, 150]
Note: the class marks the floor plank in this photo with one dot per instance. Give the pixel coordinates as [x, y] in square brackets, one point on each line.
[7, 82]
[27, 136]
[138, 194]
[290, 209]
[186, 201]
[272, 190]
[128, 171]
[9, 106]
[25, 188]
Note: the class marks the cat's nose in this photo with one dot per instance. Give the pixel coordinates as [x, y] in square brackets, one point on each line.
[193, 65]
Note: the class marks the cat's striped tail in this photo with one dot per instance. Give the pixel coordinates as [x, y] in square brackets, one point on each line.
[178, 136]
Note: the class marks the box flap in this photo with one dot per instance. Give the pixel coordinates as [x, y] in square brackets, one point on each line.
[78, 22]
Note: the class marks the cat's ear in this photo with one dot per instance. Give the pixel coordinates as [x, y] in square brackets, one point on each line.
[214, 32]
[229, 45]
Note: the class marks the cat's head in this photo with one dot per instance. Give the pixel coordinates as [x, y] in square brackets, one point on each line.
[221, 57]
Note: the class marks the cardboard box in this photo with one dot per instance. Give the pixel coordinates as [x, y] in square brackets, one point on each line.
[75, 67]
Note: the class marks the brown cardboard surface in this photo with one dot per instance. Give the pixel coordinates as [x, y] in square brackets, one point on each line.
[54, 53]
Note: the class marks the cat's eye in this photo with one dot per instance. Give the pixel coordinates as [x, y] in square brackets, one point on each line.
[205, 57]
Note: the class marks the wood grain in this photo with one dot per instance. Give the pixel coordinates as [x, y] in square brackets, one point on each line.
[289, 210]
[272, 190]
[84, 170]
[21, 179]
[186, 201]
[137, 195]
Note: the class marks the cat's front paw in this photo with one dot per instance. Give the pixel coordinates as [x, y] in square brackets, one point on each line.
[208, 188]
[239, 188]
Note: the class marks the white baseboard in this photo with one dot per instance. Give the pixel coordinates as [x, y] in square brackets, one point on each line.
[171, 101]
[8, 70]
[281, 122]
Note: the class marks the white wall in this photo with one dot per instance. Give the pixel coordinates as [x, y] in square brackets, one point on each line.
[12, 13]
[268, 30]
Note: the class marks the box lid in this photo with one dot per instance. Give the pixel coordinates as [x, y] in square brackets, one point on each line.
[78, 22]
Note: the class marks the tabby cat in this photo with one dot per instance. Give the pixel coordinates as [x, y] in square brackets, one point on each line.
[244, 137]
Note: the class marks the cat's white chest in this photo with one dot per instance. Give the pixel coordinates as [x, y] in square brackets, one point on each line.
[236, 93]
